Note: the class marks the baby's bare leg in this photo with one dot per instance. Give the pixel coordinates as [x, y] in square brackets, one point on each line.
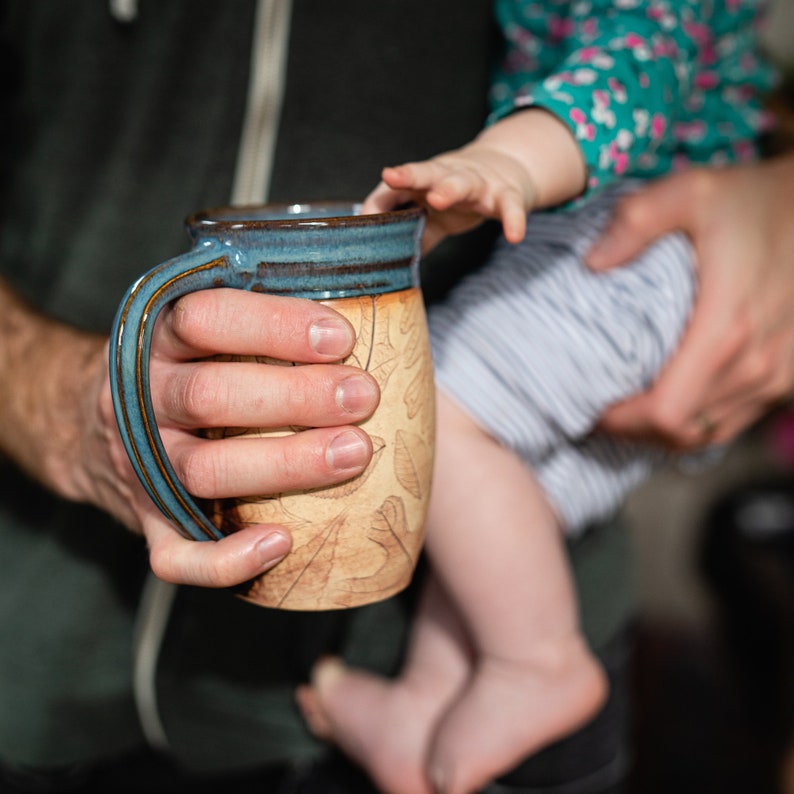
[384, 725]
[496, 672]
[496, 546]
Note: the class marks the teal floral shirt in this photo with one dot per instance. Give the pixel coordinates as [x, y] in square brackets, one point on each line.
[645, 86]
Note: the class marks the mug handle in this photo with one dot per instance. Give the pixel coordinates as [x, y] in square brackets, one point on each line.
[205, 267]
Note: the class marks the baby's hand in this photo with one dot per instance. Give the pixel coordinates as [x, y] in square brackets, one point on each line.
[459, 190]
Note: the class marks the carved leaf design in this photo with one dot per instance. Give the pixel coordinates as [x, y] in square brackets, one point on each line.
[359, 312]
[383, 356]
[411, 302]
[405, 467]
[414, 347]
[416, 393]
[389, 530]
[312, 558]
[390, 526]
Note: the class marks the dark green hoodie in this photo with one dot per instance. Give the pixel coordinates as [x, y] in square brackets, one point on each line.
[116, 127]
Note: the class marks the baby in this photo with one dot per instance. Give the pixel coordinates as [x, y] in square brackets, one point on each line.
[529, 351]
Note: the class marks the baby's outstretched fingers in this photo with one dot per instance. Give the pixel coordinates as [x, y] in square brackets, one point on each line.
[513, 214]
[384, 199]
[421, 177]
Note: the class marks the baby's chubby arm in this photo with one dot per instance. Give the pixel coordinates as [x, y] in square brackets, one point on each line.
[526, 161]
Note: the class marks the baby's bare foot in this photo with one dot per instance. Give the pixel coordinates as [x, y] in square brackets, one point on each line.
[383, 725]
[511, 709]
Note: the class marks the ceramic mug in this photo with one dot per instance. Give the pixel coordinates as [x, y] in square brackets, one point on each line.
[353, 543]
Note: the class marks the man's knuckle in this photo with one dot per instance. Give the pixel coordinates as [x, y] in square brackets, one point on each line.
[669, 418]
[199, 471]
[758, 369]
[219, 574]
[184, 319]
[634, 214]
[161, 564]
[201, 395]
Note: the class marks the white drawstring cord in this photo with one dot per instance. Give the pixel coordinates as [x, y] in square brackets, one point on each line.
[251, 185]
[124, 10]
[153, 615]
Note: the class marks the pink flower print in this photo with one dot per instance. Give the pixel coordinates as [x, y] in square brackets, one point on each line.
[612, 158]
[642, 121]
[621, 163]
[601, 112]
[521, 37]
[628, 5]
[556, 81]
[624, 139]
[655, 12]
[766, 121]
[694, 102]
[618, 90]
[647, 161]
[614, 155]
[658, 13]
[584, 77]
[698, 32]
[584, 130]
[689, 131]
[658, 126]
[523, 100]
[637, 44]
[559, 28]
[604, 62]
[748, 62]
[588, 54]
[517, 62]
[589, 28]
[707, 81]
[744, 151]
[665, 48]
[708, 54]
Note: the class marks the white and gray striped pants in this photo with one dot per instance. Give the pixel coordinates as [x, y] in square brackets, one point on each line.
[534, 347]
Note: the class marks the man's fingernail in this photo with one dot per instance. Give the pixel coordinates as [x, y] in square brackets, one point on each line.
[356, 393]
[331, 336]
[272, 549]
[347, 451]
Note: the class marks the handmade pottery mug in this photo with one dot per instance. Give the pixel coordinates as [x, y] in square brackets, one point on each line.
[353, 543]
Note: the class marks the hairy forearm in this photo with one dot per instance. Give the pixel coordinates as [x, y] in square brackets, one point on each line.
[43, 381]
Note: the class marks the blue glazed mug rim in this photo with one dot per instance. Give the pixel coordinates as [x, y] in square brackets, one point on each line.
[334, 214]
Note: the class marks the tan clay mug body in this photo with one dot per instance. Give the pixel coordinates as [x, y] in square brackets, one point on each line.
[356, 542]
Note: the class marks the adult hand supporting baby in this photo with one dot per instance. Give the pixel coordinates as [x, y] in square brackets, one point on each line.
[736, 359]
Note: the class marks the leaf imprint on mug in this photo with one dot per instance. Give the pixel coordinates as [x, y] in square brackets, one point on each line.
[405, 467]
[321, 548]
[384, 357]
[390, 526]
